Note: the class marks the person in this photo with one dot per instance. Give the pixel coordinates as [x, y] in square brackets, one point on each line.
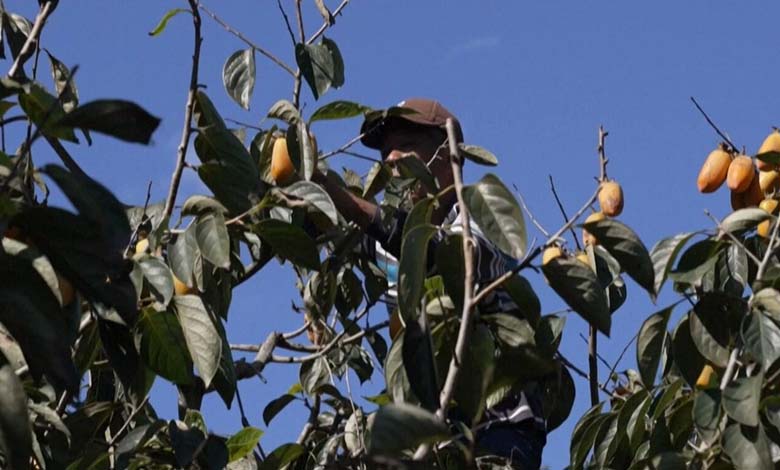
[519, 434]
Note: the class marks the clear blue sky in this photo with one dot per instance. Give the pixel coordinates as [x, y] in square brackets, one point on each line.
[531, 81]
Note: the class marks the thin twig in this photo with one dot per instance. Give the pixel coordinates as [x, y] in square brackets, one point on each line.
[286, 21]
[598, 356]
[311, 423]
[246, 40]
[563, 212]
[298, 80]
[712, 124]
[181, 153]
[534, 253]
[128, 421]
[32, 39]
[620, 356]
[327, 24]
[468, 312]
[531, 216]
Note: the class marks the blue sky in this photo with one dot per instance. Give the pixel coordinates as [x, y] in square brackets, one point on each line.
[531, 81]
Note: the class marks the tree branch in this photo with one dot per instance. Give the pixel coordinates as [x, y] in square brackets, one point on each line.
[563, 211]
[712, 124]
[326, 24]
[32, 39]
[467, 314]
[298, 81]
[246, 41]
[187, 129]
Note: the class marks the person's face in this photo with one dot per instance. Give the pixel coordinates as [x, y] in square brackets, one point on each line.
[423, 144]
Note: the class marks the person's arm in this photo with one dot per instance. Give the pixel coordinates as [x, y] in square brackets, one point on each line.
[352, 207]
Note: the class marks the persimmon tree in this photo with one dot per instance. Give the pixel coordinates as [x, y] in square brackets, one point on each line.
[98, 302]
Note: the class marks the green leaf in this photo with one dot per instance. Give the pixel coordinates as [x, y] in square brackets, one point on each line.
[578, 286]
[282, 456]
[744, 219]
[710, 333]
[666, 399]
[451, 265]
[275, 406]
[338, 110]
[664, 254]
[477, 374]
[497, 214]
[412, 167]
[769, 157]
[213, 239]
[238, 76]
[314, 374]
[225, 380]
[650, 343]
[17, 29]
[511, 330]
[284, 111]
[83, 255]
[686, 356]
[741, 398]
[625, 246]
[241, 443]
[562, 394]
[15, 429]
[46, 112]
[290, 242]
[378, 177]
[707, 415]
[63, 83]
[157, 273]
[412, 270]
[398, 386]
[699, 259]
[748, 448]
[162, 346]
[402, 426]
[122, 119]
[95, 202]
[321, 66]
[200, 334]
[227, 169]
[477, 154]
[33, 316]
[549, 331]
[164, 21]
[580, 448]
[523, 295]
[768, 301]
[420, 365]
[315, 196]
[182, 254]
[762, 339]
[198, 205]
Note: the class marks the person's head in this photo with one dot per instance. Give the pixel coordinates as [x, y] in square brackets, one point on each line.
[421, 133]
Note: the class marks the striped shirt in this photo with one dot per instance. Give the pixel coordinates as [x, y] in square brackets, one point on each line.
[384, 247]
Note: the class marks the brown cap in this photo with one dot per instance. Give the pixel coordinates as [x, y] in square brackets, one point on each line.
[427, 113]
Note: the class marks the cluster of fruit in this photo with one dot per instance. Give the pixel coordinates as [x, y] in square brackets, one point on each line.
[753, 182]
[611, 205]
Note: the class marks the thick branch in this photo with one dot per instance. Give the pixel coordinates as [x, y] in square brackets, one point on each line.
[181, 153]
[464, 333]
